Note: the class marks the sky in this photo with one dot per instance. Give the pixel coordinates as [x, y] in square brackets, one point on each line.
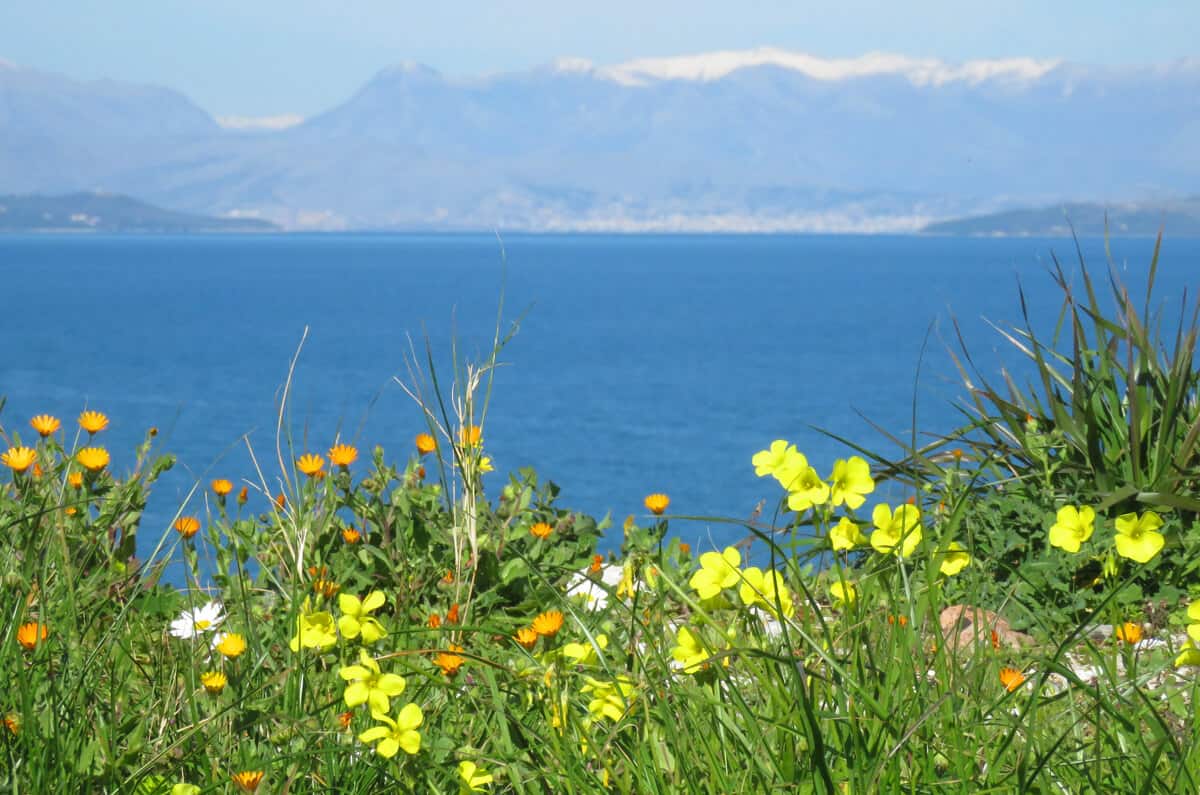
[276, 57]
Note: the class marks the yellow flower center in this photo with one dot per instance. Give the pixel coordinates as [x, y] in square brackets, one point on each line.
[203, 624]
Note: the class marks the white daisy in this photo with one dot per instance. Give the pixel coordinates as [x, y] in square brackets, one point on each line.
[194, 622]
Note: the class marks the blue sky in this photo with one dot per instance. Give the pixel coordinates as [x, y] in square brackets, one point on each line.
[268, 57]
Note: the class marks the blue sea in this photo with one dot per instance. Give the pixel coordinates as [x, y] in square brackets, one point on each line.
[641, 363]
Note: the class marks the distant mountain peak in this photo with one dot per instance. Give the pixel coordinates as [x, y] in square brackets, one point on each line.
[710, 66]
[408, 68]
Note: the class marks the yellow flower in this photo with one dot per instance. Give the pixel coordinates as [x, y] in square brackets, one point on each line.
[954, 558]
[898, 532]
[12, 722]
[92, 459]
[1128, 632]
[473, 779]
[1074, 526]
[584, 653]
[214, 681]
[247, 780]
[187, 526]
[425, 443]
[350, 535]
[526, 637]
[342, 455]
[310, 464]
[609, 699]
[657, 503]
[779, 456]
[718, 571]
[231, 645]
[689, 652]
[93, 421]
[1193, 629]
[449, 661]
[75, 479]
[548, 624]
[1011, 678]
[470, 436]
[806, 489]
[541, 530]
[843, 593]
[314, 630]
[1137, 537]
[45, 425]
[356, 618]
[222, 487]
[18, 459]
[851, 481]
[31, 634]
[396, 735]
[846, 535]
[1188, 655]
[765, 588]
[370, 686]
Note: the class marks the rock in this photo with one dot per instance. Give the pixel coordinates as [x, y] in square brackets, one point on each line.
[963, 626]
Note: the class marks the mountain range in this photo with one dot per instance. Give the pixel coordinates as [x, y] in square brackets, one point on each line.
[759, 140]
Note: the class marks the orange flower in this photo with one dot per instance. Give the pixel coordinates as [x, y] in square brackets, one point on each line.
[1011, 678]
[350, 535]
[45, 425]
[548, 624]
[281, 501]
[995, 640]
[342, 455]
[449, 661]
[75, 479]
[222, 487]
[425, 443]
[657, 503]
[247, 780]
[597, 563]
[452, 616]
[526, 637]
[901, 620]
[37, 470]
[470, 436]
[449, 578]
[1129, 632]
[541, 530]
[187, 526]
[18, 459]
[326, 588]
[685, 548]
[93, 459]
[310, 464]
[28, 634]
[420, 473]
[93, 421]
[344, 719]
[12, 722]
[435, 621]
[243, 495]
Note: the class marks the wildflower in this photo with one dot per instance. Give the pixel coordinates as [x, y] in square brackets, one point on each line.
[898, 532]
[344, 719]
[222, 487]
[541, 530]
[470, 436]
[342, 455]
[214, 681]
[448, 577]
[1138, 537]
[609, 699]
[243, 495]
[766, 589]
[93, 459]
[356, 618]
[954, 558]
[191, 623]
[657, 503]
[901, 620]
[325, 587]
[597, 564]
[31, 634]
[485, 465]
[584, 653]
[247, 780]
[1128, 632]
[187, 526]
[45, 425]
[1011, 678]
[350, 535]
[1193, 628]
[368, 685]
[689, 652]
[851, 480]
[310, 464]
[12, 722]
[452, 614]
[314, 630]
[685, 549]
[846, 535]
[843, 593]
[450, 661]
[718, 570]
[93, 421]
[396, 735]
[230, 645]
[1073, 527]
[75, 479]
[435, 621]
[526, 637]
[548, 624]
[18, 459]
[1188, 655]
[425, 443]
[781, 460]
[473, 779]
[806, 489]
[280, 501]
[420, 473]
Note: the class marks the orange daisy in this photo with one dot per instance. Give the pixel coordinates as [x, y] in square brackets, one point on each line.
[247, 780]
[449, 661]
[1129, 632]
[1011, 678]
[45, 425]
[221, 487]
[93, 459]
[187, 526]
[425, 443]
[470, 436]
[18, 459]
[350, 535]
[541, 530]
[29, 635]
[526, 637]
[342, 455]
[597, 564]
[310, 464]
[93, 421]
[657, 503]
[548, 624]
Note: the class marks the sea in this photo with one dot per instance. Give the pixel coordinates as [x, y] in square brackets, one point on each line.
[633, 364]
